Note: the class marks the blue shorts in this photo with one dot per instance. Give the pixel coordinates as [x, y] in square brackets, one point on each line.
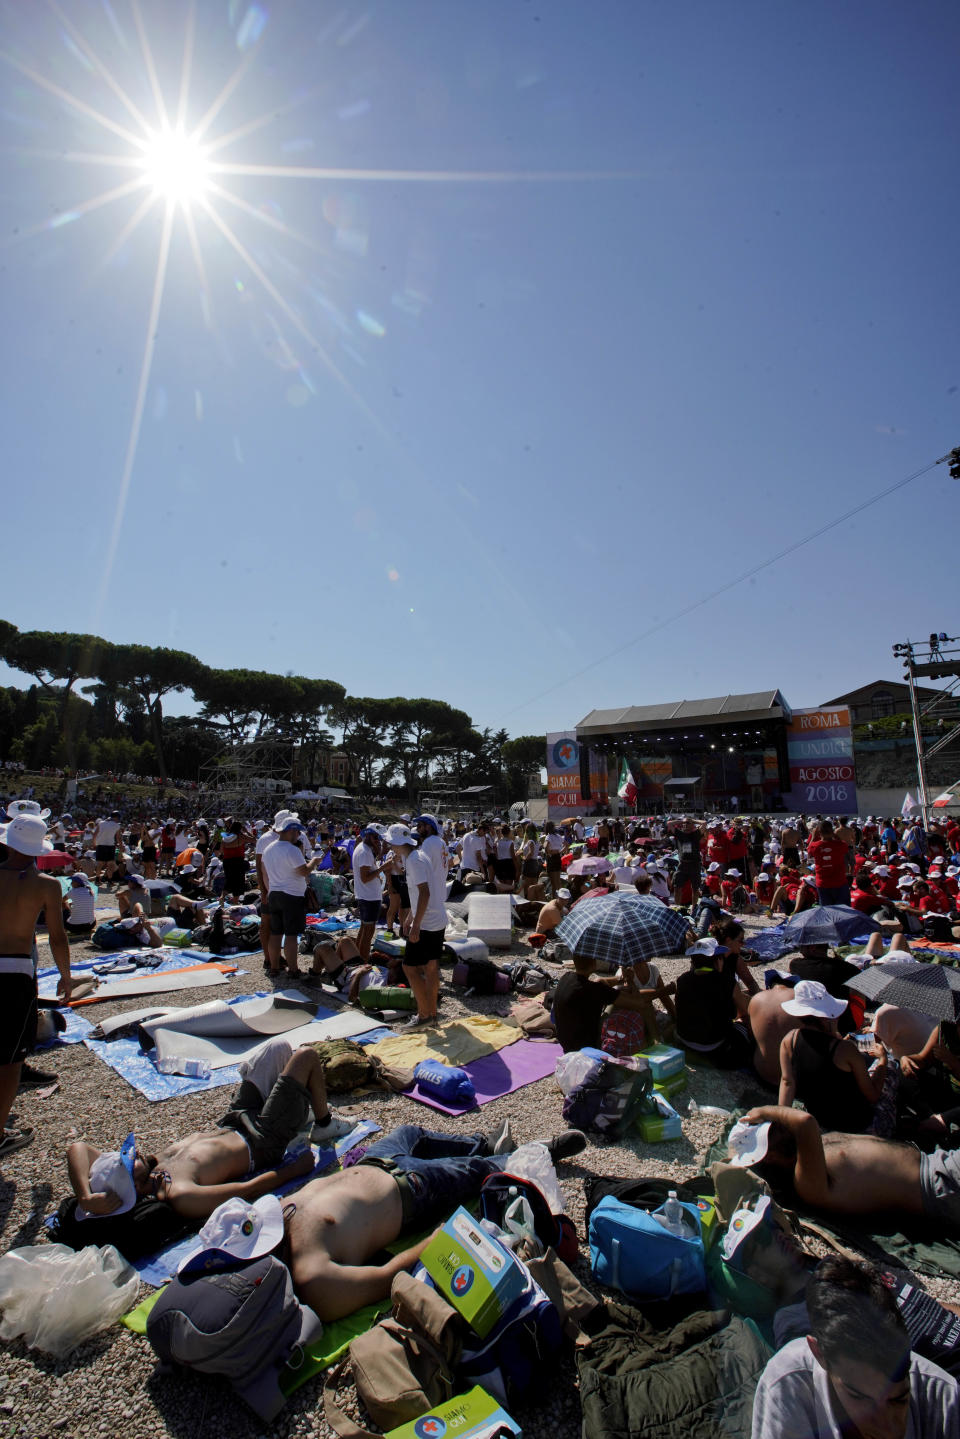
[369, 910]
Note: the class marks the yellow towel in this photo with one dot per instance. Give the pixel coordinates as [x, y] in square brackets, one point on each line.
[455, 1042]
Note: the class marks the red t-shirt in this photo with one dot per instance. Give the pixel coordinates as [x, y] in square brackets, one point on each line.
[712, 883]
[886, 885]
[864, 901]
[829, 862]
[737, 844]
[934, 903]
[718, 849]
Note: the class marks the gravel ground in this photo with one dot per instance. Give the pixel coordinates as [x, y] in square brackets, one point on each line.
[107, 1386]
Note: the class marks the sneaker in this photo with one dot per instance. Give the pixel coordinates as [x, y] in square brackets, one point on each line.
[566, 1145]
[339, 1125]
[33, 1078]
[14, 1139]
[412, 1022]
[502, 1140]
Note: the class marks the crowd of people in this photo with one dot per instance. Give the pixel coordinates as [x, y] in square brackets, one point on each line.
[879, 1126]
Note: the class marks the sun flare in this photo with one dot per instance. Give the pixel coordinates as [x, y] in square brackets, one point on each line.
[176, 166]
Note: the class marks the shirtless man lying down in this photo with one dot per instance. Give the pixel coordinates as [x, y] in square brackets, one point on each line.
[411, 1179]
[849, 1173]
[238, 1159]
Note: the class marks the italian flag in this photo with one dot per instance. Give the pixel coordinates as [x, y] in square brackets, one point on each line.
[628, 789]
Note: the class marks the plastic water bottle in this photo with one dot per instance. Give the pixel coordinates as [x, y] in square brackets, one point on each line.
[168, 1065]
[195, 1069]
[673, 1216]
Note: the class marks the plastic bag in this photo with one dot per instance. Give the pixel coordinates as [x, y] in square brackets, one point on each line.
[56, 1298]
[574, 1068]
[533, 1162]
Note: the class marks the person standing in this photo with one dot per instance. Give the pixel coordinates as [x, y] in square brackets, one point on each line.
[286, 872]
[424, 928]
[24, 893]
[105, 845]
[233, 849]
[686, 879]
[831, 864]
[367, 887]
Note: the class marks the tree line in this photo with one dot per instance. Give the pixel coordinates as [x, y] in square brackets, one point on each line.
[101, 704]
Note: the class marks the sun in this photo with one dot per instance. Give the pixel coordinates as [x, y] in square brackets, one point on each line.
[176, 166]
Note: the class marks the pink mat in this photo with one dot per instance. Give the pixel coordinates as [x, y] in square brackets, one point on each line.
[500, 1073]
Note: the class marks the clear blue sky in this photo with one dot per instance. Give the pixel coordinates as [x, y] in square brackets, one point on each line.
[565, 409]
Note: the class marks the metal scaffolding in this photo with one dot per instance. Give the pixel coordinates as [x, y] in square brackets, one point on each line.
[938, 658]
[247, 778]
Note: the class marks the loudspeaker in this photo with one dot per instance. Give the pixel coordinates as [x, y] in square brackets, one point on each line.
[584, 772]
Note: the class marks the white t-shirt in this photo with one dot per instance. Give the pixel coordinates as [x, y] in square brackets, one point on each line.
[473, 850]
[364, 858]
[792, 1400]
[553, 843]
[107, 831]
[420, 870]
[435, 852]
[281, 860]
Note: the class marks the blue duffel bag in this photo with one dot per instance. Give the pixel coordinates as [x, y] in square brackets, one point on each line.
[631, 1251]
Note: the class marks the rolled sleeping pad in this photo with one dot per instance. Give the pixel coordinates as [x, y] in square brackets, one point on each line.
[386, 996]
[467, 947]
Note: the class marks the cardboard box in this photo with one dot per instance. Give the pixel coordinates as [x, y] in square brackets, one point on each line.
[470, 1416]
[675, 1084]
[473, 1271]
[658, 1119]
[663, 1060]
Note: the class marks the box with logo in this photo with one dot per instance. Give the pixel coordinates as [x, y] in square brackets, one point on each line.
[663, 1060]
[470, 1416]
[709, 1220]
[473, 1271]
[658, 1119]
[674, 1084]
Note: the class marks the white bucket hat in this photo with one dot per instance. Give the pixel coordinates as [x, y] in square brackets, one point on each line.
[748, 1143]
[26, 806]
[810, 997]
[235, 1232]
[113, 1172]
[399, 834]
[26, 834]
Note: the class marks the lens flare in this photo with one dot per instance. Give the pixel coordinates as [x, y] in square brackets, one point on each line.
[175, 166]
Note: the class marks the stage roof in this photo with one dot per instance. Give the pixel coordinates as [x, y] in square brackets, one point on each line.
[725, 709]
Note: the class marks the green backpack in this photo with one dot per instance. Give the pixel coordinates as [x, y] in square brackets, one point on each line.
[346, 1065]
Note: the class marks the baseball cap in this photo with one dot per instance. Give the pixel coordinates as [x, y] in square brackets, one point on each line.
[429, 819]
[812, 997]
[236, 1232]
[113, 1171]
[748, 1143]
[706, 946]
[564, 894]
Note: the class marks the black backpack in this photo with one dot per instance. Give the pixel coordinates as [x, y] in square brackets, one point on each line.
[937, 927]
[145, 1229]
[555, 1231]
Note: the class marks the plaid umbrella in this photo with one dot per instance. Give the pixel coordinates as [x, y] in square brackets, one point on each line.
[829, 924]
[623, 928]
[932, 989]
[589, 864]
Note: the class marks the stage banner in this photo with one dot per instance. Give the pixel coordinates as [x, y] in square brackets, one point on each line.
[565, 798]
[823, 775]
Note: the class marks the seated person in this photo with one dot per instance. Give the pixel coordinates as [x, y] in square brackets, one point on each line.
[854, 1373]
[848, 1173]
[830, 1075]
[769, 1023]
[410, 1179]
[712, 1008]
[137, 929]
[935, 1072]
[730, 933]
[551, 914]
[238, 1159]
[187, 913]
[644, 981]
[342, 964]
[78, 911]
[793, 895]
[580, 1002]
[816, 962]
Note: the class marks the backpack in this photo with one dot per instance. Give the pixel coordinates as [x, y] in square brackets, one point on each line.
[633, 1252]
[622, 1031]
[528, 977]
[555, 1231]
[346, 1065]
[514, 1359]
[937, 927]
[107, 937]
[243, 1324]
[144, 1230]
[481, 976]
[607, 1099]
